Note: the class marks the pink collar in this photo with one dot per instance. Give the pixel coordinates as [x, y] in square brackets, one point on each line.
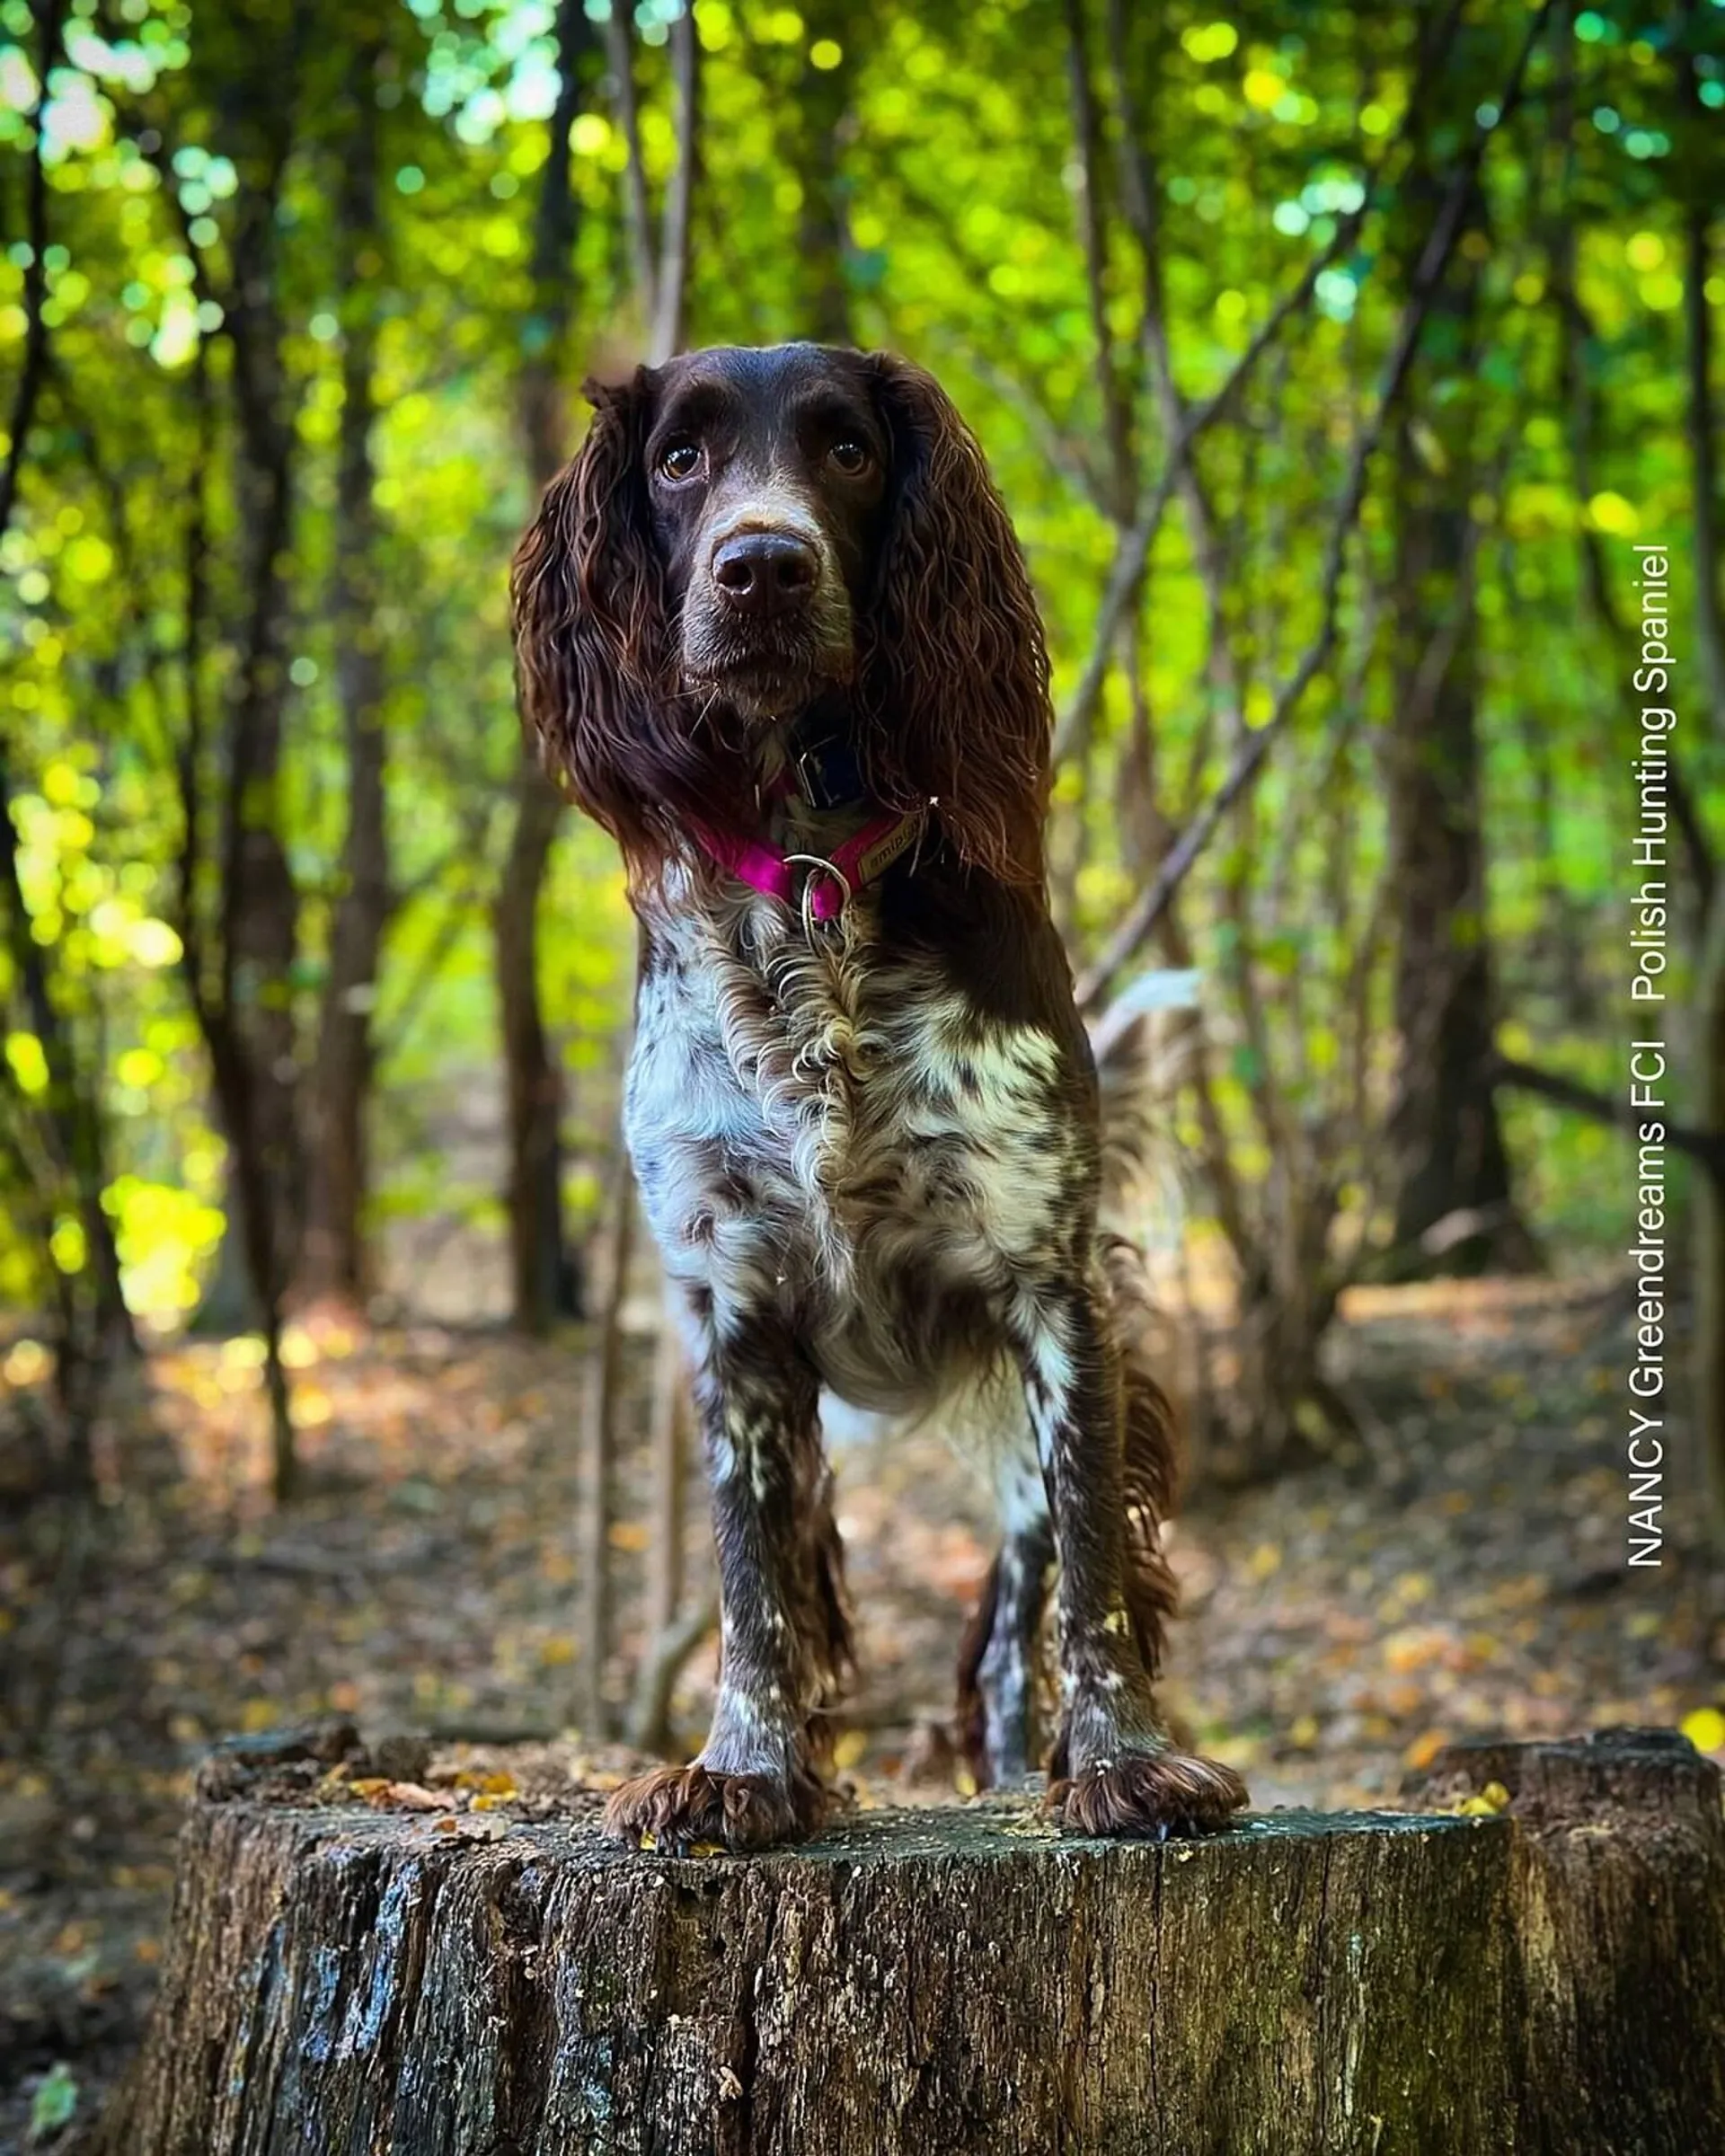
[832, 879]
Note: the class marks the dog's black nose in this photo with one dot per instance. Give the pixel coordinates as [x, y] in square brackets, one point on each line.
[765, 572]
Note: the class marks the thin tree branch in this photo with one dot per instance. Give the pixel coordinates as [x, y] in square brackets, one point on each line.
[71, 1122]
[1132, 549]
[672, 285]
[555, 216]
[661, 1664]
[1183, 425]
[1256, 749]
[50, 18]
[1707, 1146]
[1086, 129]
[1064, 456]
[620, 60]
[1140, 198]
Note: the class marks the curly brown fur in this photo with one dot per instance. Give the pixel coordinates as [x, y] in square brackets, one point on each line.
[953, 671]
[832, 1624]
[684, 1808]
[1152, 1593]
[594, 662]
[1151, 1470]
[1152, 1794]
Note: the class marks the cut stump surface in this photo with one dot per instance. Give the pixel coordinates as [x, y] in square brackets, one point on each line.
[350, 1978]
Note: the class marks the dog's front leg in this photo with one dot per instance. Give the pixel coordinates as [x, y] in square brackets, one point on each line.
[1114, 1769]
[754, 1782]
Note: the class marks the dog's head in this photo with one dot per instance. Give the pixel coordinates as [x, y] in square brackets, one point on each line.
[746, 533]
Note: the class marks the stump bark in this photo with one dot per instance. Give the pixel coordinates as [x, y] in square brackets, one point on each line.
[1618, 1892]
[350, 1978]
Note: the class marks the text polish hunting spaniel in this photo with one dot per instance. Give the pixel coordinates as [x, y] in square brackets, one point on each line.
[774, 626]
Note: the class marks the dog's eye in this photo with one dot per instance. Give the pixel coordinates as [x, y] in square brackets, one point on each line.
[850, 455]
[681, 460]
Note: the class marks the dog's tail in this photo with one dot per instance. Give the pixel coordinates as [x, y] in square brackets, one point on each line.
[1141, 1047]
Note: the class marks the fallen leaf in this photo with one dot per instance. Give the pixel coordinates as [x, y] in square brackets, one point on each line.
[55, 2101]
[1426, 1747]
[487, 1780]
[849, 1749]
[413, 1797]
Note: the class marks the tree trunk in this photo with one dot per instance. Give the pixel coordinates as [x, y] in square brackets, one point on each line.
[544, 1283]
[1708, 1318]
[601, 1442]
[1454, 1209]
[539, 1269]
[671, 1633]
[239, 966]
[1619, 1892]
[346, 1976]
[260, 903]
[334, 1258]
[670, 294]
[671, 1431]
[1702, 426]
[818, 117]
[71, 1169]
[53, 1166]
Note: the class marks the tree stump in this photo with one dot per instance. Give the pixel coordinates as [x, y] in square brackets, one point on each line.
[350, 1978]
[1619, 1898]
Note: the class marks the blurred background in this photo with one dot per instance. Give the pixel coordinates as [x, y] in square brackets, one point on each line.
[1332, 359]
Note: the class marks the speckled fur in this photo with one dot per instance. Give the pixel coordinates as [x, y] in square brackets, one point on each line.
[871, 1152]
[866, 1182]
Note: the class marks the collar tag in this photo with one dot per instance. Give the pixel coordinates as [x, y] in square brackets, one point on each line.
[828, 776]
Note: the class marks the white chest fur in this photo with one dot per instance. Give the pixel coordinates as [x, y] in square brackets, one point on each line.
[824, 1130]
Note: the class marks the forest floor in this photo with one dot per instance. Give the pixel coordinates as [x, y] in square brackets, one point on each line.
[1460, 1572]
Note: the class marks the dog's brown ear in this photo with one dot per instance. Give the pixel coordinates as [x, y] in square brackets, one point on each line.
[955, 671]
[593, 667]
[588, 612]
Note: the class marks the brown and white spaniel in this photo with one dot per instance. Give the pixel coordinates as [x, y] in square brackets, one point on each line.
[774, 627]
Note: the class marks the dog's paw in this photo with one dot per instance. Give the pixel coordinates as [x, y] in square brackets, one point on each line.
[682, 1810]
[1153, 1795]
